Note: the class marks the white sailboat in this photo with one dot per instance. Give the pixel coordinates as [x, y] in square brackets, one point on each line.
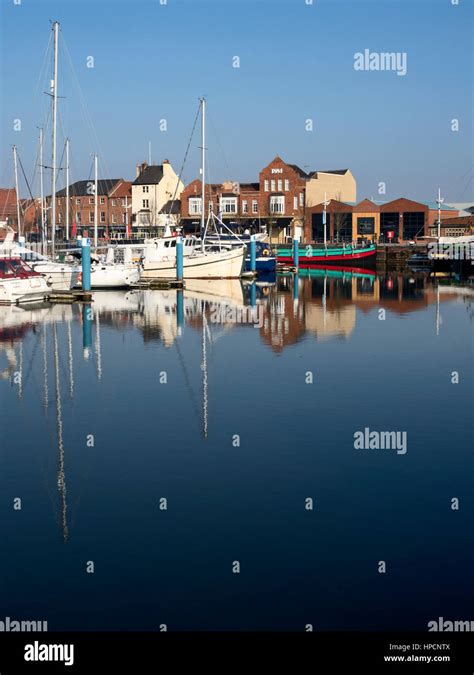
[199, 262]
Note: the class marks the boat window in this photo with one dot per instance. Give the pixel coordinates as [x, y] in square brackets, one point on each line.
[173, 243]
[167, 244]
[5, 269]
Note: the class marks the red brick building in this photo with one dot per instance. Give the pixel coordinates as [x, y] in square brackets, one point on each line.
[8, 210]
[114, 206]
[277, 201]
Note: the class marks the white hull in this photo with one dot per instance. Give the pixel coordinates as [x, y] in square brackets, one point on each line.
[218, 265]
[59, 277]
[113, 276]
[31, 289]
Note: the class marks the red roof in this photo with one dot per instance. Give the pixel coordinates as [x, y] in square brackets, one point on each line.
[7, 202]
[123, 189]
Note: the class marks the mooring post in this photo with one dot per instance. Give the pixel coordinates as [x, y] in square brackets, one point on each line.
[179, 258]
[253, 253]
[86, 264]
[296, 252]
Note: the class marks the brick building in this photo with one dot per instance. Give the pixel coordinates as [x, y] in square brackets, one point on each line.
[8, 210]
[113, 210]
[395, 221]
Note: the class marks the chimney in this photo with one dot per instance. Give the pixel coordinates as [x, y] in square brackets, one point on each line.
[166, 161]
[137, 171]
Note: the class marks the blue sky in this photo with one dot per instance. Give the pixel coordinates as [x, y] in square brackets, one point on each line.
[153, 61]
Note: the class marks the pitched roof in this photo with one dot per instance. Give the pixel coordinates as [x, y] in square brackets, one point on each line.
[151, 175]
[366, 205]
[339, 172]
[7, 201]
[82, 188]
[299, 170]
[171, 206]
[122, 189]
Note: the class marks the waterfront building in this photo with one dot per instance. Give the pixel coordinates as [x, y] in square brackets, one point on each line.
[8, 210]
[399, 220]
[154, 186]
[337, 184]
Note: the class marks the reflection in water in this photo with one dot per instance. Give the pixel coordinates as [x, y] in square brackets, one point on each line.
[226, 377]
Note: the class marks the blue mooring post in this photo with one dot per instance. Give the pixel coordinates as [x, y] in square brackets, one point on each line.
[253, 253]
[179, 258]
[296, 252]
[86, 264]
[87, 318]
[179, 309]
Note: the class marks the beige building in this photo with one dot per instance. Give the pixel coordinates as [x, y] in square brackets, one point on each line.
[153, 192]
[339, 184]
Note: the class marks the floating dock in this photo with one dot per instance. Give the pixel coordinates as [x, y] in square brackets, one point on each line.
[159, 284]
[68, 297]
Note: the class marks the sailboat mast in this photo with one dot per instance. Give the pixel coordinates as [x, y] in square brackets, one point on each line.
[54, 91]
[203, 168]
[43, 238]
[96, 224]
[67, 189]
[15, 164]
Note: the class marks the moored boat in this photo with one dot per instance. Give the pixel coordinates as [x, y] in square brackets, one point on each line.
[339, 255]
[19, 283]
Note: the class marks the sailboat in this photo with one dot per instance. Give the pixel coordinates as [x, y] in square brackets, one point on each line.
[199, 262]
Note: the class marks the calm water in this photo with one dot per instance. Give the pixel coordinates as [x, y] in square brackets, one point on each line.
[206, 405]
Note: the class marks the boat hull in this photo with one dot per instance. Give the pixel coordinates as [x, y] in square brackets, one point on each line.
[59, 277]
[329, 256]
[262, 264]
[218, 265]
[21, 291]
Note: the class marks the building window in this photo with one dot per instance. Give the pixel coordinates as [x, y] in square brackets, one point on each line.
[114, 219]
[254, 206]
[78, 217]
[114, 202]
[265, 185]
[145, 188]
[195, 206]
[91, 200]
[280, 185]
[125, 218]
[124, 201]
[277, 204]
[78, 202]
[145, 203]
[301, 199]
[287, 185]
[365, 226]
[245, 206]
[102, 200]
[295, 203]
[144, 218]
[102, 216]
[91, 216]
[228, 204]
[273, 186]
